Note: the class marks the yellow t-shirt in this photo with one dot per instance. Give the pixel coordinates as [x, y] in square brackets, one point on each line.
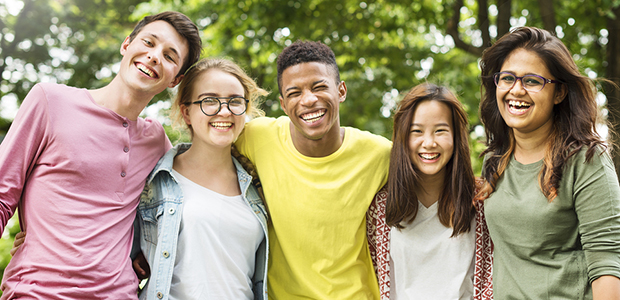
[317, 233]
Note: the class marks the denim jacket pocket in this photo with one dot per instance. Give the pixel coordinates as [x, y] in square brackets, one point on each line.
[149, 222]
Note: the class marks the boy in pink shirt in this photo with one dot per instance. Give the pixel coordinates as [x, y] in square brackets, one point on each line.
[75, 161]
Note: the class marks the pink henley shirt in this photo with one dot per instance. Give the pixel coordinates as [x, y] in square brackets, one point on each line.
[76, 171]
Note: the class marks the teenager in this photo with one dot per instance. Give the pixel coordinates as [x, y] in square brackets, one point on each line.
[75, 161]
[554, 215]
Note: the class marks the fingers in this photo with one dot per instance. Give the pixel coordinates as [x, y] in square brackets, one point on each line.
[20, 237]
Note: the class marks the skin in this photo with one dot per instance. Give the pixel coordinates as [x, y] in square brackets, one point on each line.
[431, 145]
[150, 64]
[311, 98]
[208, 162]
[532, 128]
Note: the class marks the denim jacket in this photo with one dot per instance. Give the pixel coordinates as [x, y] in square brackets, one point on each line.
[159, 214]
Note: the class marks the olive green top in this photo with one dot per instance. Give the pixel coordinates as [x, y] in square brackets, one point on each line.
[554, 250]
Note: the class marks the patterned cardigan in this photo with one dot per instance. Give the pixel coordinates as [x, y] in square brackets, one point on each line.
[379, 245]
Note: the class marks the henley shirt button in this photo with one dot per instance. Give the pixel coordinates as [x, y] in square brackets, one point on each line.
[165, 254]
[125, 124]
[171, 211]
[126, 149]
[123, 174]
[160, 295]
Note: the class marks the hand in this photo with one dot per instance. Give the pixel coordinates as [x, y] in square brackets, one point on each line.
[20, 237]
[141, 267]
[483, 189]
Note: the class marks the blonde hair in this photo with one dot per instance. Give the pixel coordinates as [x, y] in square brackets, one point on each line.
[251, 90]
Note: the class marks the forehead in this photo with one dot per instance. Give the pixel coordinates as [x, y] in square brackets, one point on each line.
[432, 112]
[166, 34]
[522, 62]
[215, 82]
[307, 73]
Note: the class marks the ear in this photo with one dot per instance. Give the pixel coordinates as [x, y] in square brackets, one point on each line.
[185, 113]
[283, 105]
[176, 81]
[342, 91]
[124, 45]
[560, 94]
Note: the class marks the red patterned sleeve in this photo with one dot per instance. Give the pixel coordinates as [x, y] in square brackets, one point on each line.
[378, 241]
[483, 270]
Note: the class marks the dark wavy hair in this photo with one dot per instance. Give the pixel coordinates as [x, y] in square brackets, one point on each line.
[303, 52]
[574, 119]
[455, 207]
[184, 26]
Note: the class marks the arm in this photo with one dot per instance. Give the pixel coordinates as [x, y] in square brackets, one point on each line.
[19, 150]
[378, 243]
[606, 288]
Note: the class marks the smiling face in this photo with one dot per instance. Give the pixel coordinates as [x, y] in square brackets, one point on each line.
[311, 98]
[431, 140]
[152, 60]
[222, 129]
[529, 113]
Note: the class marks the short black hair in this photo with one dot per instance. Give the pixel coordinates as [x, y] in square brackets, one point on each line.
[303, 52]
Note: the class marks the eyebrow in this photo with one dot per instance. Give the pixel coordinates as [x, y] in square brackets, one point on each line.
[435, 125]
[314, 83]
[216, 95]
[174, 50]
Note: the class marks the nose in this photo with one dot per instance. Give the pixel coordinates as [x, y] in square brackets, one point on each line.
[308, 98]
[516, 90]
[153, 56]
[224, 110]
[429, 141]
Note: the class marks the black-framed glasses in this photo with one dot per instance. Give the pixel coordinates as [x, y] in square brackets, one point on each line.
[210, 106]
[531, 83]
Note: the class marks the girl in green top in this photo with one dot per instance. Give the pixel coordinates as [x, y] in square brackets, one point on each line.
[554, 215]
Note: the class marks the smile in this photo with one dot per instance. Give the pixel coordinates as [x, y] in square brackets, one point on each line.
[221, 125]
[518, 106]
[313, 116]
[148, 72]
[429, 156]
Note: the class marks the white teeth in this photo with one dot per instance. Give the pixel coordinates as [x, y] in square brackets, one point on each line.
[146, 70]
[221, 125]
[429, 156]
[519, 104]
[313, 117]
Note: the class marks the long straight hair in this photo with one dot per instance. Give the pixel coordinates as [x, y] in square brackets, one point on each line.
[574, 119]
[455, 207]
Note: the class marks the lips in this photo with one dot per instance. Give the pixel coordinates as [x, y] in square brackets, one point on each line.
[313, 116]
[429, 156]
[147, 71]
[221, 125]
[518, 107]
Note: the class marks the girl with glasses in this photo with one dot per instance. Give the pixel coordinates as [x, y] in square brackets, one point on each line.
[554, 215]
[203, 225]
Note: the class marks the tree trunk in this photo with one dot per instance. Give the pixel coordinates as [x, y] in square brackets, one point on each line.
[504, 10]
[547, 13]
[613, 73]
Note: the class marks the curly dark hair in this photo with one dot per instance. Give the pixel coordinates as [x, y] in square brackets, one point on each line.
[306, 51]
[574, 119]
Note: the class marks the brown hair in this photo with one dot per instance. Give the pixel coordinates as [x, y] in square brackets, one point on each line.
[184, 26]
[455, 207]
[574, 119]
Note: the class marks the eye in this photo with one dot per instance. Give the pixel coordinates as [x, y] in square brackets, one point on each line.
[508, 78]
[416, 131]
[210, 101]
[532, 81]
[237, 101]
[320, 87]
[292, 94]
[147, 42]
[170, 58]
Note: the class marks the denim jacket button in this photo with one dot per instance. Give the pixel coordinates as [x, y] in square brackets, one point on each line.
[171, 211]
[160, 295]
[166, 254]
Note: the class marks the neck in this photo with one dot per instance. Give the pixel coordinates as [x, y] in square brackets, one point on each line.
[122, 100]
[322, 147]
[530, 148]
[430, 188]
[209, 160]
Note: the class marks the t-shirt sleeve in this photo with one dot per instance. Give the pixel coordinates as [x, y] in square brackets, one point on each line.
[19, 150]
[597, 204]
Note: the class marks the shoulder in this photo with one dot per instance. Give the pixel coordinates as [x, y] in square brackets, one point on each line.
[365, 138]
[265, 123]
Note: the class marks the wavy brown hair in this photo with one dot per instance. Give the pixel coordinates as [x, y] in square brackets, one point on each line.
[574, 119]
[455, 207]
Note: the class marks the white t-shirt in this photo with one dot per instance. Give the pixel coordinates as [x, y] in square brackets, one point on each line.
[427, 264]
[218, 239]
